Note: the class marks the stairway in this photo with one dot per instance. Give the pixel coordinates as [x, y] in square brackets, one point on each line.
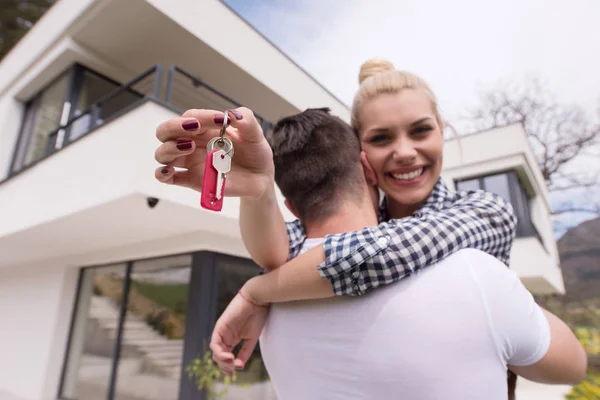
[159, 355]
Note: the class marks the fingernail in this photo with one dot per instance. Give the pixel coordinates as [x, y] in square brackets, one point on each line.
[238, 115]
[190, 125]
[184, 144]
[219, 119]
[164, 171]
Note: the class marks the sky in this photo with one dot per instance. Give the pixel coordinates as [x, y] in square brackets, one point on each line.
[459, 47]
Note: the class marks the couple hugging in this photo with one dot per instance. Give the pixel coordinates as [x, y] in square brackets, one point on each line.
[409, 297]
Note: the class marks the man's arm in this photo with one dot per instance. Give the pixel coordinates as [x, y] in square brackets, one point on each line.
[565, 362]
[264, 230]
[531, 341]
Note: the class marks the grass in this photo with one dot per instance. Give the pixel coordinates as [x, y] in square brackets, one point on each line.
[171, 296]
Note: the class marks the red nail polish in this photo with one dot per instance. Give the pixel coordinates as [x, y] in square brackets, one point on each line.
[190, 125]
[184, 144]
[238, 115]
[219, 119]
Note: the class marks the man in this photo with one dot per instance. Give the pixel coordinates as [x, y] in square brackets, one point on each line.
[473, 317]
[244, 320]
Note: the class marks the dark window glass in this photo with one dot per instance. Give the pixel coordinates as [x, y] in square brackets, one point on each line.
[507, 186]
[94, 87]
[498, 184]
[253, 382]
[471, 184]
[42, 119]
[92, 343]
[152, 344]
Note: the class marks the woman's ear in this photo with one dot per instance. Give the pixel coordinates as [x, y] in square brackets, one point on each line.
[368, 170]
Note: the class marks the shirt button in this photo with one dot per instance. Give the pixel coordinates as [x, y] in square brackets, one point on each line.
[383, 241]
[355, 274]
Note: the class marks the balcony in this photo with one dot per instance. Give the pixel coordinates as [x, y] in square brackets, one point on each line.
[80, 196]
[81, 100]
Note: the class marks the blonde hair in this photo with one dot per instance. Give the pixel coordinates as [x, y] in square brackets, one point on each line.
[378, 76]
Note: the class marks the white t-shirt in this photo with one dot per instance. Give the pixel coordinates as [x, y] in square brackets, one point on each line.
[447, 332]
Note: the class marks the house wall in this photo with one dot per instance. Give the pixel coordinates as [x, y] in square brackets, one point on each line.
[35, 308]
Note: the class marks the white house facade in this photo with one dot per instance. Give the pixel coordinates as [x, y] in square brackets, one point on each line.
[110, 281]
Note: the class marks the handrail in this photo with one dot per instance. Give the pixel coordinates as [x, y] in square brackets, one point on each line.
[127, 85]
[199, 82]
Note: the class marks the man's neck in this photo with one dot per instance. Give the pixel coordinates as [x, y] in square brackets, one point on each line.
[349, 217]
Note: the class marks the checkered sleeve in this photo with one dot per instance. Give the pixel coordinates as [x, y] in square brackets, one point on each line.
[357, 262]
[296, 237]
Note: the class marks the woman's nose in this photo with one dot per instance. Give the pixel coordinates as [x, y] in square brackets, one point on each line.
[404, 152]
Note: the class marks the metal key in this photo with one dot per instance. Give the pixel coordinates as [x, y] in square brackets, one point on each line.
[222, 163]
[218, 162]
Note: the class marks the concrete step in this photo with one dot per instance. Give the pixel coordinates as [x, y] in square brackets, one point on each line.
[164, 356]
[135, 334]
[163, 351]
[161, 342]
[166, 362]
[127, 325]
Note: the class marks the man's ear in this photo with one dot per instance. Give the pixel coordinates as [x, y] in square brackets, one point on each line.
[368, 170]
[291, 208]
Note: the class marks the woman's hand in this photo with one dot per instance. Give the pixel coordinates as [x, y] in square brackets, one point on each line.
[184, 142]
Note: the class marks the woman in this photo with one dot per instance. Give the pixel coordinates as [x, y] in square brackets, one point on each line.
[396, 117]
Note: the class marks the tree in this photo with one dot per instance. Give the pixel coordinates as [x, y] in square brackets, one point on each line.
[563, 138]
[16, 18]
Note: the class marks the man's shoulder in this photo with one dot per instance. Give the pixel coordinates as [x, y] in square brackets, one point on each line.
[471, 261]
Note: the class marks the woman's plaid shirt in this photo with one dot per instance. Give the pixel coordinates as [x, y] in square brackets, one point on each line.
[356, 262]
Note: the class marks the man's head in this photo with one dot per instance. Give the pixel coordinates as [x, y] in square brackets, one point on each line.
[317, 163]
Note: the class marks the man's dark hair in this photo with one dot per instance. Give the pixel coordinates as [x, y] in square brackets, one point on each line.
[317, 162]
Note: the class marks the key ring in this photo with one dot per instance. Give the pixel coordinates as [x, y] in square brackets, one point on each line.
[225, 122]
[222, 140]
[223, 143]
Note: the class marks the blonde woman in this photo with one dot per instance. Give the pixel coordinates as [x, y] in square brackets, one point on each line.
[400, 129]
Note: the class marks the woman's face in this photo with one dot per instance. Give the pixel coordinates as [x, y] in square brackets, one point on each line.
[403, 143]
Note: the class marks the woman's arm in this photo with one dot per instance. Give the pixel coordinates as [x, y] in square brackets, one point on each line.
[356, 262]
[263, 230]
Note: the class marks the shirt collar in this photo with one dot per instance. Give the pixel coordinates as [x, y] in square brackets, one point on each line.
[435, 202]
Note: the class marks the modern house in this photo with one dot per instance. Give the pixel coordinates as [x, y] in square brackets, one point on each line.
[110, 281]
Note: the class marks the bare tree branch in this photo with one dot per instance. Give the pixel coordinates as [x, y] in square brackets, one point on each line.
[561, 135]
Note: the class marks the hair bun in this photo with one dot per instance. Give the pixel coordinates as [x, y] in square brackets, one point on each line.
[372, 67]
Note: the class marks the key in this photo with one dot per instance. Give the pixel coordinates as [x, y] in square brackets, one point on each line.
[218, 164]
[222, 163]
[208, 198]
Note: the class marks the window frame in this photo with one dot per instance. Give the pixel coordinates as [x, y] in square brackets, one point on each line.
[525, 226]
[74, 73]
[200, 315]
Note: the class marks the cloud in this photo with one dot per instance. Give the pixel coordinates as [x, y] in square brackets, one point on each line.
[460, 47]
[456, 46]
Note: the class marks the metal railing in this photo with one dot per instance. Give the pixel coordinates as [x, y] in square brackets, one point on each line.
[185, 91]
[112, 104]
[182, 91]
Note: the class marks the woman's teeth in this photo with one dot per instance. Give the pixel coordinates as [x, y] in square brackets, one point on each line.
[409, 176]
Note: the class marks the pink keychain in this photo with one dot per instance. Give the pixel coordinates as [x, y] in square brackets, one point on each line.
[218, 163]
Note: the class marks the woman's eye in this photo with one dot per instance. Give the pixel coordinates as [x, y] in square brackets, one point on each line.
[378, 138]
[422, 130]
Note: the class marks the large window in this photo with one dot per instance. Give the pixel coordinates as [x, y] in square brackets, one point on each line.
[51, 116]
[137, 325]
[507, 186]
[127, 336]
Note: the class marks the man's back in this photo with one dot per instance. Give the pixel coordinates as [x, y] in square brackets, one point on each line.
[469, 314]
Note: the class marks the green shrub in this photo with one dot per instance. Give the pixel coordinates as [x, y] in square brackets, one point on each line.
[587, 390]
[206, 374]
